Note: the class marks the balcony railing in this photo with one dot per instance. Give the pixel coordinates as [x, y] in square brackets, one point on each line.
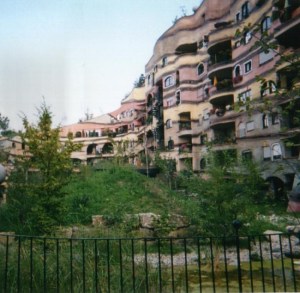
[186, 125]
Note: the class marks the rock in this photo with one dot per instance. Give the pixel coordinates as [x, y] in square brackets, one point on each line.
[293, 229]
[178, 221]
[98, 220]
[148, 220]
[273, 236]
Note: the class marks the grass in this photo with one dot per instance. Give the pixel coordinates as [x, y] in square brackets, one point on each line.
[114, 192]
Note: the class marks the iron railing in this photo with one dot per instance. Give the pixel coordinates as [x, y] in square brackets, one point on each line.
[200, 264]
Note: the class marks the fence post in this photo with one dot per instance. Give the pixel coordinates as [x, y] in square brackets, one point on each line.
[237, 225]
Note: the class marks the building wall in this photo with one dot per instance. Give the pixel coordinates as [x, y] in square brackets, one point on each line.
[196, 77]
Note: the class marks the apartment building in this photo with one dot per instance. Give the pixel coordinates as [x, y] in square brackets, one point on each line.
[200, 85]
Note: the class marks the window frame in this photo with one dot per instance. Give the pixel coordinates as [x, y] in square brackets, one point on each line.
[248, 128]
[178, 97]
[265, 24]
[265, 120]
[276, 157]
[245, 11]
[248, 65]
[199, 74]
[242, 129]
[164, 61]
[234, 70]
[168, 81]
[169, 124]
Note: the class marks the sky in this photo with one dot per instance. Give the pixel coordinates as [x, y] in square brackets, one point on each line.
[78, 56]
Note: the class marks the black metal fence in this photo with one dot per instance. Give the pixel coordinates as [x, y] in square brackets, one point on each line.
[199, 264]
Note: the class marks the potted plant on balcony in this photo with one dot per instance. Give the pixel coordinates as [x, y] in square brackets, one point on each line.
[237, 79]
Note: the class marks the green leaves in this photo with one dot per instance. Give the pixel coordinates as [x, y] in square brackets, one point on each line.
[39, 176]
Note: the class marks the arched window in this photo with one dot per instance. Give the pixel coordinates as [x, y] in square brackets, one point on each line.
[265, 120]
[245, 10]
[107, 148]
[169, 123]
[266, 24]
[276, 151]
[237, 70]
[200, 69]
[169, 81]
[202, 164]
[267, 88]
[170, 144]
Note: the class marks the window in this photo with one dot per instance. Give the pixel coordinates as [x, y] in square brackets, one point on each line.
[199, 120]
[247, 37]
[275, 118]
[245, 96]
[200, 69]
[169, 81]
[155, 68]
[202, 164]
[237, 70]
[250, 126]
[170, 144]
[264, 57]
[164, 61]
[177, 78]
[170, 102]
[247, 155]
[205, 114]
[265, 120]
[266, 24]
[245, 10]
[267, 153]
[237, 44]
[203, 139]
[242, 129]
[238, 17]
[178, 98]
[248, 66]
[169, 123]
[149, 79]
[276, 151]
[267, 88]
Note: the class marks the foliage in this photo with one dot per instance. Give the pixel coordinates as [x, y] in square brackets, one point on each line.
[35, 186]
[167, 168]
[140, 82]
[227, 192]
[4, 122]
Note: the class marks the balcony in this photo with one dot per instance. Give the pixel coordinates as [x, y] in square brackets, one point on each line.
[224, 133]
[288, 32]
[220, 87]
[185, 125]
[223, 116]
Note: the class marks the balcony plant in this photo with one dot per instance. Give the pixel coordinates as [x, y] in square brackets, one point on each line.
[237, 79]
